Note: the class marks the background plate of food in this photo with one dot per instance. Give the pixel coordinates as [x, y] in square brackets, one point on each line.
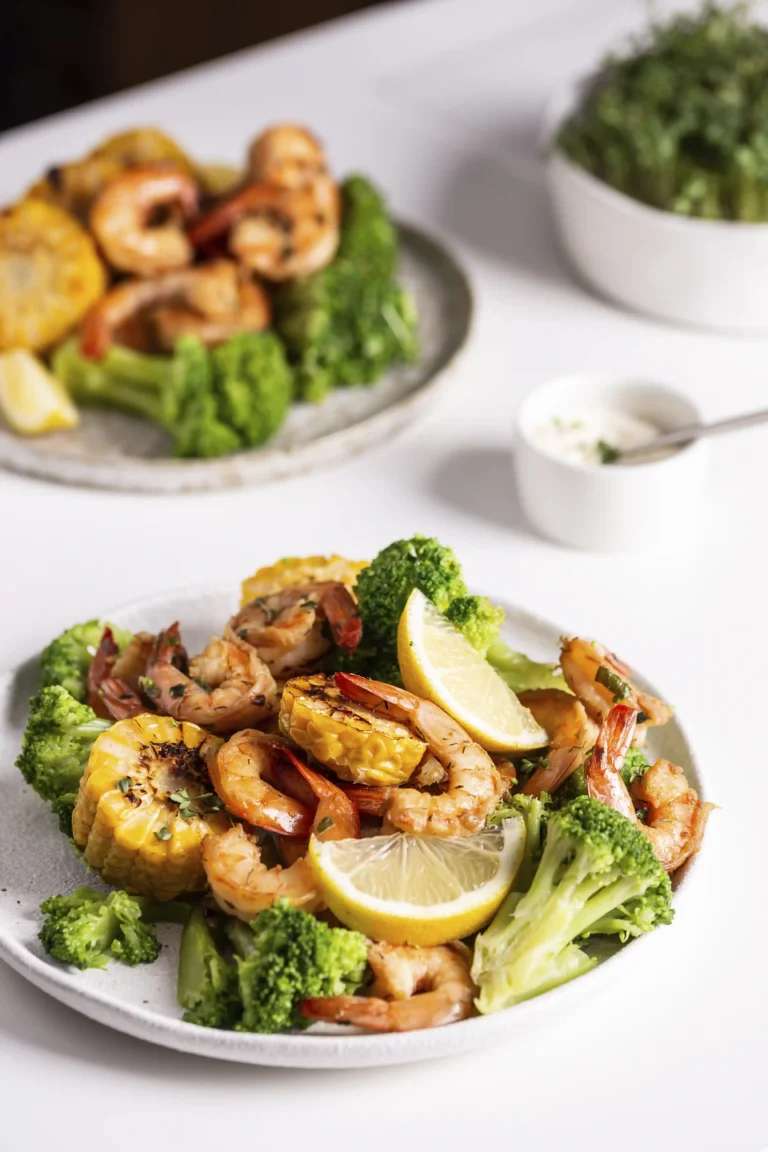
[368, 871]
[169, 326]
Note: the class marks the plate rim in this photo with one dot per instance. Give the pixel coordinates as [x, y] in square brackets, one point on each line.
[314, 1050]
[264, 464]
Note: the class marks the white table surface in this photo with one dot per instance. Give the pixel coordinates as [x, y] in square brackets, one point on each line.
[441, 102]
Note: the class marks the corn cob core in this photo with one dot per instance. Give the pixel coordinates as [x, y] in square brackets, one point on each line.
[124, 820]
[307, 570]
[357, 743]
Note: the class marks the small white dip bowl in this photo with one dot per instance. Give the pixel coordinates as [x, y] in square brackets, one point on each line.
[710, 273]
[610, 507]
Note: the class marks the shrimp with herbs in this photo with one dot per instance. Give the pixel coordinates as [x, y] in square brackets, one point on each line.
[240, 882]
[675, 816]
[286, 155]
[474, 784]
[226, 687]
[287, 628]
[413, 988]
[600, 680]
[212, 301]
[123, 215]
[241, 772]
[571, 735]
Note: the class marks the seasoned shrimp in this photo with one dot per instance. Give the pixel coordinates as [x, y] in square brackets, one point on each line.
[100, 669]
[571, 735]
[286, 155]
[286, 629]
[279, 233]
[251, 313]
[240, 772]
[474, 782]
[603, 774]
[600, 680]
[676, 816]
[122, 219]
[131, 664]
[120, 700]
[228, 687]
[243, 885]
[214, 292]
[413, 988]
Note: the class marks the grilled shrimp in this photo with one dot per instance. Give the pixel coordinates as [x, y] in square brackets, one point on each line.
[571, 735]
[286, 155]
[100, 669]
[131, 664]
[278, 232]
[413, 988]
[211, 300]
[474, 782]
[286, 629]
[122, 219]
[228, 687]
[241, 773]
[601, 680]
[676, 816]
[240, 882]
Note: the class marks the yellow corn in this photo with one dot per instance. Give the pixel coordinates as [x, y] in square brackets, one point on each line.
[124, 821]
[291, 571]
[355, 742]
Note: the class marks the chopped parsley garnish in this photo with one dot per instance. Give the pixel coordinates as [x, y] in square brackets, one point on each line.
[163, 834]
[326, 823]
[125, 784]
[613, 682]
[606, 452]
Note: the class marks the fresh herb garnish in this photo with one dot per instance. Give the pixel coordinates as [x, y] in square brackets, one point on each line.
[326, 823]
[176, 690]
[125, 784]
[606, 452]
[163, 834]
[613, 682]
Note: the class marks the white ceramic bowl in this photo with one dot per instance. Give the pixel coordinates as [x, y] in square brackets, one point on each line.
[611, 508]
[709, 273]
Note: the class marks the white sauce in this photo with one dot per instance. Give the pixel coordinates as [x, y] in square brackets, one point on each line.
[587, 437]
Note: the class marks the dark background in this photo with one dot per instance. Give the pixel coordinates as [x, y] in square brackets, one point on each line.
[59, 53]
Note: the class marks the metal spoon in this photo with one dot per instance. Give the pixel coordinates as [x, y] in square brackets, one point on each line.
[689, 433]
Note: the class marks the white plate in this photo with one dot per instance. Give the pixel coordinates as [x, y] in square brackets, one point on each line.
[114, 450]
[36, 861]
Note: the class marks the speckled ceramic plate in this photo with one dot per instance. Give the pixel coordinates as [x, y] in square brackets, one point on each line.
[112, 450]
[37, 861]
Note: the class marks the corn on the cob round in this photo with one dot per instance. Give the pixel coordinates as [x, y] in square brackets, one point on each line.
[358, 744]
[293, 570]
[125, 822]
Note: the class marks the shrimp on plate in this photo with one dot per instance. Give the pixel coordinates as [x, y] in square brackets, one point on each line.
[474, 784]
[600, 680]
[286, 155]
[287, 628]
[413, 988]
[571, 735]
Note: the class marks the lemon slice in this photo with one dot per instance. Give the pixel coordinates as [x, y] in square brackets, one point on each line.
[418, 889]
[31, 399]
[439, 664]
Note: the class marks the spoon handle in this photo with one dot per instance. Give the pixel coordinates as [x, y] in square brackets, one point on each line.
[695, 432]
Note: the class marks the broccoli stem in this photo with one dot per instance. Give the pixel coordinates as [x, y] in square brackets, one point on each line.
[240, 937]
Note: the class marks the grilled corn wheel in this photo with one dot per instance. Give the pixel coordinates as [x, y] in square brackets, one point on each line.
[124, 821]
[76, 185]
[50, 275]
[355, 742]
[293, 570]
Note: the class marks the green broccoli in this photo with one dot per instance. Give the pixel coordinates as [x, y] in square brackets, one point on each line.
[254, 385]
[477, 618]
[348, 323]
[597, 874]
[534, 811]
[286, 956]
[635, 765]
[62, 807]
[175, 392]
[67, 659]
[207, 983]
[57, 742]
[87, 928]
[522, 674]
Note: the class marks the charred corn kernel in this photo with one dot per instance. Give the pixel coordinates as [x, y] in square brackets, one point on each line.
[125, 822]
[50, 275]
[345, 736]
[294, 570]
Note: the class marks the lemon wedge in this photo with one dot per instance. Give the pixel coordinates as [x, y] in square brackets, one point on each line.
[418, 889]
[31, 399]
[438, 663]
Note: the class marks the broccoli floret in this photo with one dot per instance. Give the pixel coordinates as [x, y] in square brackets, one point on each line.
[62, 807]
[57, 742]
[207, 983]
[254, 384]
[522, 674]
[67, 659]
[348, 323]
[597, 874]
[534, 811]
[87, 928]
[286, 956]
[635, 764]
[176, 392]
[477, 618]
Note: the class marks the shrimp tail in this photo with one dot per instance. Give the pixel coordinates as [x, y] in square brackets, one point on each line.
[336, 817]
[120, 700]
[603, 773]
[100, 668]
